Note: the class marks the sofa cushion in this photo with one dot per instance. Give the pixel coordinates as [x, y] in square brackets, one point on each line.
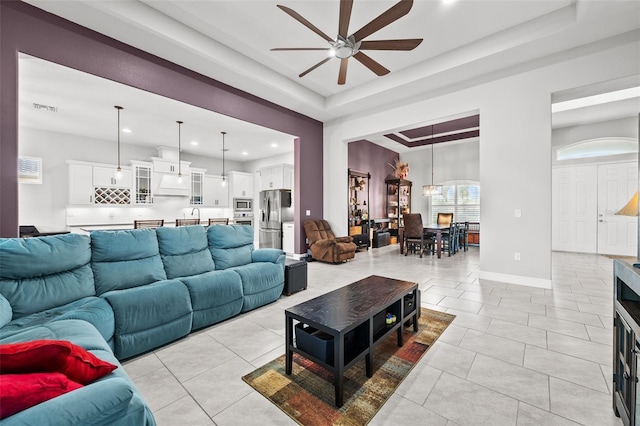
[230, 245]
[125, 259]
[21, 391]
[149, 316]
[184, 251]
[94, 310]
[55, 254]
[262, 283]
[59, 356]
[215, 296]
[60, 275]
[5, 311]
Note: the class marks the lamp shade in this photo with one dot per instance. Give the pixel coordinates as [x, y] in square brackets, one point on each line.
[631, 208]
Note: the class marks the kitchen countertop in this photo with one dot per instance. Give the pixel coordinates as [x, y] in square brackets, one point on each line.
[125, 226]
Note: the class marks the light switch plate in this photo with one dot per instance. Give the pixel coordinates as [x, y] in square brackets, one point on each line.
[308, 212]
[517, 213]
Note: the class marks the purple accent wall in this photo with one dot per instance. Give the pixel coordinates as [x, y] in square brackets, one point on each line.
[25, 28]
[365, 156]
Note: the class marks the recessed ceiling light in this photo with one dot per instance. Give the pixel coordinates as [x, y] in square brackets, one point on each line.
[274, 145]
[245, 153]
[448, 1]
[194, 143]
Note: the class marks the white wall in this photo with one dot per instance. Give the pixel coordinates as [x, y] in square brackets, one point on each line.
[515, 155]
[453, 161]
[45, 205]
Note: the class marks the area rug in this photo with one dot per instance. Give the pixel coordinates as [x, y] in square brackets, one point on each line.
[308, 394]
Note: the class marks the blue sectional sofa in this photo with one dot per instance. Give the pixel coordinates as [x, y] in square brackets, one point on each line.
[122, 293]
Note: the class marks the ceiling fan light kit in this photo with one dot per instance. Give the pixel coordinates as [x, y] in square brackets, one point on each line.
[346, 46]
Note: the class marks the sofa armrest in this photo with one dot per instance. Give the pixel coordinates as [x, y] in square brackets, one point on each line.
[344, 239]
[268, 255]
[325, 243]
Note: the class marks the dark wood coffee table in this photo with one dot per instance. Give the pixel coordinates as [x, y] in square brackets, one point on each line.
[352, 320]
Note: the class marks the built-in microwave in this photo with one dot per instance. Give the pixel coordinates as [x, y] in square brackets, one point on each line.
[242, 204]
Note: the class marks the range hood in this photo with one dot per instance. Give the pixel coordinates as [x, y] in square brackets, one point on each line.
[165, 174]
[170, 186]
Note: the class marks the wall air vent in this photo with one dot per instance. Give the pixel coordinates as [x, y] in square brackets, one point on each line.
[43, 107]
[30, 170]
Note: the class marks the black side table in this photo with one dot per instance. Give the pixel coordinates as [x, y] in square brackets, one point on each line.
[295, 276]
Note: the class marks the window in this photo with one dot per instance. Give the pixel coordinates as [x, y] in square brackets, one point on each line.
[463, 200]
[597, 148]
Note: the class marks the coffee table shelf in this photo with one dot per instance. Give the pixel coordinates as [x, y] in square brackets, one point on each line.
[350, 319]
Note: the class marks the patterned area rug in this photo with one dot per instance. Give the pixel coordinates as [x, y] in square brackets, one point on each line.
[308, 395]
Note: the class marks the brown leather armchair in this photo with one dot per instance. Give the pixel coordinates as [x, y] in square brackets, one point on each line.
[324, 244]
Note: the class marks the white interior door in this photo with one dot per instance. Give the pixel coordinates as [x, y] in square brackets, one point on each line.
[617, 235]
[575, 208]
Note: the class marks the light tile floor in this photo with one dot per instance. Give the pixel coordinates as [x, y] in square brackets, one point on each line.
[514, 355]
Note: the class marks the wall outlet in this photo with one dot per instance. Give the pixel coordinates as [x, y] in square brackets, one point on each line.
[308, 212]
[516, 256]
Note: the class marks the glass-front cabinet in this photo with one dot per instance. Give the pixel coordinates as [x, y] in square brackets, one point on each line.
[197, 188]
[142, 182]
[359, 208]
[398, 202]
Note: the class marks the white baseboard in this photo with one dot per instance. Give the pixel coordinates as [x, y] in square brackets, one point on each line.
[515, 279]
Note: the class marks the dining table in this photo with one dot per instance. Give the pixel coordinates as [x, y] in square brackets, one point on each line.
[435, 229]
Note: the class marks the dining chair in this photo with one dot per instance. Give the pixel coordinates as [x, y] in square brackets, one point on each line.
[448, 236]
[152, 223]
[187, 222]
[445, 218]
[218, 221]
[463, 235]
[414, 238]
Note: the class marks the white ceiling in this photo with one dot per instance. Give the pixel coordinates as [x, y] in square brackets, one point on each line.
[84, 106]
[229, 40]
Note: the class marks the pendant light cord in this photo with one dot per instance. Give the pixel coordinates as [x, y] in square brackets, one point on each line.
[179, 150]
[118, 108]
[223, 133]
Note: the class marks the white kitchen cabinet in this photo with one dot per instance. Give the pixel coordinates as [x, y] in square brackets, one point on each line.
[81, 190]
[162, 166]
[141, 184]
[240, 185]
[215, 194]
[288, 237]
[276, 177]
[106, 177]
[196, 191]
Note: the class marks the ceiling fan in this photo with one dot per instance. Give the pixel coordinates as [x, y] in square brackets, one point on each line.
[345, 46]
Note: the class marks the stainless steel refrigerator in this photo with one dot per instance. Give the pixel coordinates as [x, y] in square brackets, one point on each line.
[275, 207]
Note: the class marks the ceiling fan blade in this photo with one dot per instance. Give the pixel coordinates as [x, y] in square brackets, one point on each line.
[345, 17]
[280, 49]
[406, 44]
[342, 75]
[371, 64]
[295, 15]
[394, 13]
[314, 67]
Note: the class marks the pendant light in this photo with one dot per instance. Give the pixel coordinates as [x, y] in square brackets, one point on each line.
[118, 169]
[429, 190]
[224, 182]
[179, 153]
